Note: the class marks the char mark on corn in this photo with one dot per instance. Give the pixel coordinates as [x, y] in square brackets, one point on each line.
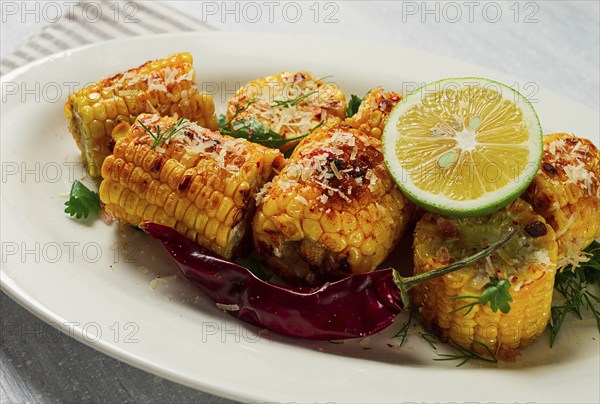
[373, 112]
[566, 192]
[528, 262]
[332, 211]
[104, 110]
[198, 182]
[265, 100]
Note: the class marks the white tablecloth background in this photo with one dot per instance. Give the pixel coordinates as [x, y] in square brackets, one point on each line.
[553, 44]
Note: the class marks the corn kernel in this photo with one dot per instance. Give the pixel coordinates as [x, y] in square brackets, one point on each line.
[331, 222]
[241, 194]
[313, 212]
[356, 238]
[211, 229]
[96, 129]
[87, 114]
[368, 246]
[312, 229]
[349, 222]
[203, 196]
[288, 226]
[333, 242]
[354, 257]
[295, 208]
[270, 208]
[182, 206]
[201, 221]
[224, 208]
[223, 236]
[171, 204]
[213, 203]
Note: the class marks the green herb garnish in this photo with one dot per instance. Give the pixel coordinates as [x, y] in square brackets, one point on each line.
[82, 201]
[353, 104]
[292, 102]
[431, 340]
[161, 137]
[405, 284]
[495, 293]
[255, 131]
[465, 355]
[402, 334]
[575, 287]
[252, 263]
[221, 120]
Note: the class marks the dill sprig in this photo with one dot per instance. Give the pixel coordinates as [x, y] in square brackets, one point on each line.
[430, 339]
[575, 287]
[402, 334]
[292, 102]
[465, 355]
[161, 137]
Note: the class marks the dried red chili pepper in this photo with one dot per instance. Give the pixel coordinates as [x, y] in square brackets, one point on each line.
[353, 307]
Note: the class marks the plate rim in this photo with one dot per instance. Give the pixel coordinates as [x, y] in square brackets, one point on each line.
[37, 308]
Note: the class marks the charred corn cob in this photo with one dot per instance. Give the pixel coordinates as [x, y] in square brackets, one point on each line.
[373, 111]
[290, 104]
[166, 86]
[566, 192]
[192, 179]
[528, 262]
[332, 211]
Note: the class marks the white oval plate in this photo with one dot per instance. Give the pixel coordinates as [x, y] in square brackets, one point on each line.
[94, 281]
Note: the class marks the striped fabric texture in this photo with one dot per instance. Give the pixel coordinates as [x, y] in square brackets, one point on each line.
[86, 24]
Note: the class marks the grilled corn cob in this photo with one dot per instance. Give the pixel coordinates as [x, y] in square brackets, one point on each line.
[528, 262]
[192, 179]
[566, 191]
[373, 111]
[166, 86]
[290, 104]
[332, 211]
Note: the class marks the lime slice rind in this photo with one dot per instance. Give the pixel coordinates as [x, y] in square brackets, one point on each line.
[490, 200]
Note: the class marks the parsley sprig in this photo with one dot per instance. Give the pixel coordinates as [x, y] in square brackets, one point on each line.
[353, 104]
[294, 102]
[82, 201]
[576, 288]
[495, 293]
[160, 137]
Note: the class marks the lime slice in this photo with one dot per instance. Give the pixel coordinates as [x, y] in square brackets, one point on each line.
[463, 147]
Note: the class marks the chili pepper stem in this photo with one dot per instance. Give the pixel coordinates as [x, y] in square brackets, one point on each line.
[404, 284]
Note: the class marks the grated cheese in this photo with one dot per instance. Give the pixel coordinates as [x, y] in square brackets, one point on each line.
[301, 199]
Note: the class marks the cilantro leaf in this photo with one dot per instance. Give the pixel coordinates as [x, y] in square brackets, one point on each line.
[496, 293]
[353, 104]
[82, 201]
[221, 120]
